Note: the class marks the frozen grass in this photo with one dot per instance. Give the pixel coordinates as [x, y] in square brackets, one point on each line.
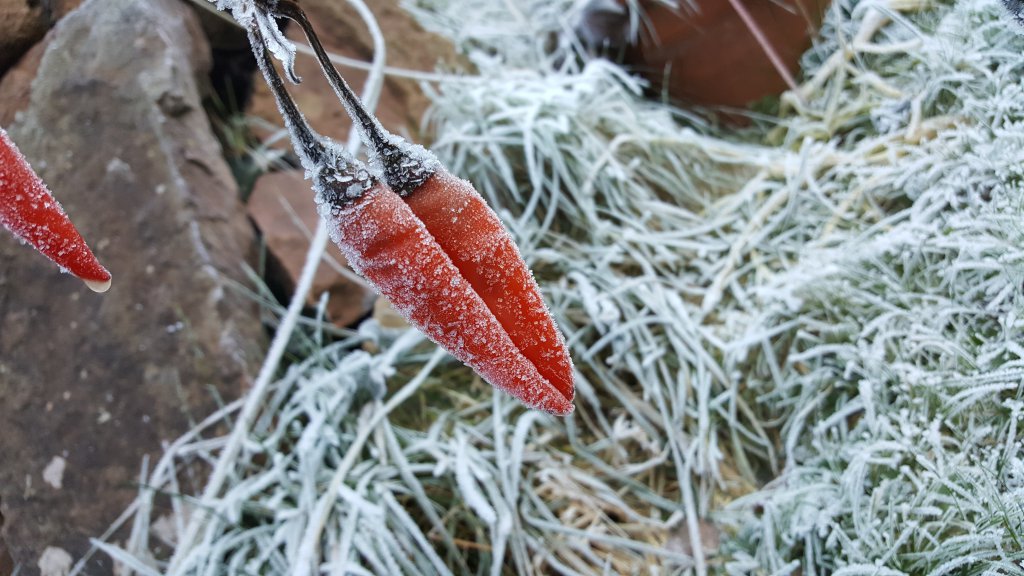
[799, 345]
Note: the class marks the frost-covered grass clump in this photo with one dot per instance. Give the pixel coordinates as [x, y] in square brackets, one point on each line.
[821, 316]
[799, 345]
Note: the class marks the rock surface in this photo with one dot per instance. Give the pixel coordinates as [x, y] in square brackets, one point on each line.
[116, 129]
[16, 84]
[22, 23]
[282, 207]
[673, 51]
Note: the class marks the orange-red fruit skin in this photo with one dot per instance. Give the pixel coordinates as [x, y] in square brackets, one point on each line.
[29, 211]
[386, 243]
[476, 241]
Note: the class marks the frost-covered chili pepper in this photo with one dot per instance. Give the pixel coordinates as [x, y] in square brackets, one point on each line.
[462, 224]
[393, 249]
[31, 213]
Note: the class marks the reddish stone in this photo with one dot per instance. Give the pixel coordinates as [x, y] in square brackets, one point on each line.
[710, 57]
[282, 207]
[16, 84]
[22, 24]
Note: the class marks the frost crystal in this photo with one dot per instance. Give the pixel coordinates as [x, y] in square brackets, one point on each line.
[248, 12]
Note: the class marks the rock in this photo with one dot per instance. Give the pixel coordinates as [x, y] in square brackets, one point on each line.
[16, 84]
[54, 562]
[604, 26]
[22, 23]
[282, 207]
[6, 562]
[706, 54]
[233, 75]
[57, 9]
[115, 127]
[680, 540]
[342, 32]
[387, 317]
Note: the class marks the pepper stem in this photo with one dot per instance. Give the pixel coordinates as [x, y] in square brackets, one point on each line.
[307, 142]
[338, 175]
[374, 134]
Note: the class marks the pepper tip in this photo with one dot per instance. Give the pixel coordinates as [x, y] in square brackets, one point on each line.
[558, 407]
[99, 286]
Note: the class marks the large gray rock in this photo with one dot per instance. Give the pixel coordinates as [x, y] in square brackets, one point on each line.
[90, 383]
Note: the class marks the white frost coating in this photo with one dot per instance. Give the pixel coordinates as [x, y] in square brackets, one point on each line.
[410, 163]
[417, 156]
[53, 474]
[54, 561]
[281, 47]
[469, 487]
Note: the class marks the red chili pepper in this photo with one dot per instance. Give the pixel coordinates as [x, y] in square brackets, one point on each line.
[473, 236]
[444, 260]
[386, 243]
[31, 213]
[462, 224]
